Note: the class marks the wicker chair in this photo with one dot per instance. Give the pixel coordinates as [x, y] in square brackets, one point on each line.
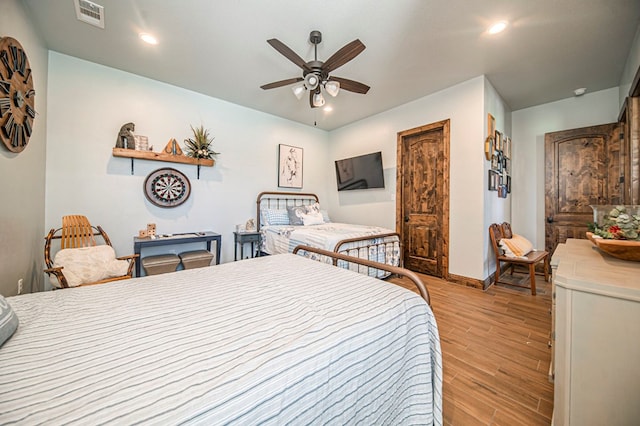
[499, 231]
[77, 232]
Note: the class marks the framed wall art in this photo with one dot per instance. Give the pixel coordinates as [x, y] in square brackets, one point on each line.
[289, 166]
[494, 180]
[489, 142]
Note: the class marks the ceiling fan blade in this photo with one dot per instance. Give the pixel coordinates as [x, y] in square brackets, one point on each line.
[350, 85]
[288, 53]
[281, 83]
[344, 55]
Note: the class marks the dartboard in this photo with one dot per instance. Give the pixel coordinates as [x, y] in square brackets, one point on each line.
[167, 187]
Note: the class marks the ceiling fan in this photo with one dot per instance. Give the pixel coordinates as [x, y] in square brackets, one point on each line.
[315, 74]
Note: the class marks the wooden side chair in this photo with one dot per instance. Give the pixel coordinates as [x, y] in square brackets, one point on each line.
[77, 233]
[497, 232]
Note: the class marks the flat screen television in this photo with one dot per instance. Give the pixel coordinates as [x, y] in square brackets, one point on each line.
[362, 172]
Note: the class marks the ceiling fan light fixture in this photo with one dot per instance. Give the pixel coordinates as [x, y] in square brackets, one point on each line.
[316, 74]
[318, 99]
[299, 90]
[311, 81]
[332, 88]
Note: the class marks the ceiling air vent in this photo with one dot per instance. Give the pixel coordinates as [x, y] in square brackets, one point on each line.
[90, 13]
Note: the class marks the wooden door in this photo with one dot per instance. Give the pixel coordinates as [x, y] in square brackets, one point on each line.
[582, 168]
[422, 198]
[630, 121]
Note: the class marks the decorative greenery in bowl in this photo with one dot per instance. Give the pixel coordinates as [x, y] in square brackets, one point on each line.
[200, 145]
[616, 222]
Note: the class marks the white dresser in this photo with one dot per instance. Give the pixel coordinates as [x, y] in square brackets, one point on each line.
[596, 321]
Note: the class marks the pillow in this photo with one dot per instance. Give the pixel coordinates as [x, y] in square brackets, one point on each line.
[8, 320]
[325, 216]
[312, 219]
[274, 217]
[313, 208]
[88, 264]
[295, 214]
[516, 246]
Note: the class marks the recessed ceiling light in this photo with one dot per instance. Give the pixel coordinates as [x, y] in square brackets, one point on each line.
[328, 108]
[579, 92]
[148, 38]
[498, 27]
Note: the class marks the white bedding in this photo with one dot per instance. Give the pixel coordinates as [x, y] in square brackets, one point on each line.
[273, 340]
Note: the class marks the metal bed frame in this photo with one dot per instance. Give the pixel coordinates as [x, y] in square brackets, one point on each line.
[422, 289]
[282, 200]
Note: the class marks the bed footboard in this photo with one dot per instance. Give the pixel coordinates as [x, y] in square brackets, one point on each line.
[422, 289]
[386, 248]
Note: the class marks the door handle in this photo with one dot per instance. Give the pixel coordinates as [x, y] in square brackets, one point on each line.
[406, 218]
[549, 219]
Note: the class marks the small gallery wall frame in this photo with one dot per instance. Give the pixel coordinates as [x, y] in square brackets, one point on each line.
[290, 163]
[489, 142]
[507, 147]
[494, 180]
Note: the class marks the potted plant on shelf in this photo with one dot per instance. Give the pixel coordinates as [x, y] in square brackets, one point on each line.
[200, 145]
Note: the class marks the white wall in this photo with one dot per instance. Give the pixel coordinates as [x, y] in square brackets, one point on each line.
[496, 210]
[529, 128]
[88, 105]
[23, 174]
[463, 105]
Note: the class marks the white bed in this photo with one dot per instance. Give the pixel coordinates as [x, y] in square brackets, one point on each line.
[272, 340]
[280, 235]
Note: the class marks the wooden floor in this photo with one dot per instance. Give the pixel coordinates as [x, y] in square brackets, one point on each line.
[495, 352]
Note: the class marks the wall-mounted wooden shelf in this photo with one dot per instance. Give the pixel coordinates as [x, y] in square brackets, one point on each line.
[162, 156]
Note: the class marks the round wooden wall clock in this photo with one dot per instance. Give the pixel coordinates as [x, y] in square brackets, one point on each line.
[17, 97]
[167, 187]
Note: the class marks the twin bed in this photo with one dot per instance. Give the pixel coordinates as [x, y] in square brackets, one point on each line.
[281, 231]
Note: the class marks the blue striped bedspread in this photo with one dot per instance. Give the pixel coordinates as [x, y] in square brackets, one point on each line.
[272, 340]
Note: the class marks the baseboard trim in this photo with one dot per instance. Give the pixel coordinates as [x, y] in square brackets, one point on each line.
[469, 282]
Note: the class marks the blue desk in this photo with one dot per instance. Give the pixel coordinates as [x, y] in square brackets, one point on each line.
[191, 237]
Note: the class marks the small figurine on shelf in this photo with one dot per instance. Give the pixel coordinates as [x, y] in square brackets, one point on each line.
[126, 138]
[173, 147]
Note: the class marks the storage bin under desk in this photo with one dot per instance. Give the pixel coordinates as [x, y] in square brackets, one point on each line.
[176, 244]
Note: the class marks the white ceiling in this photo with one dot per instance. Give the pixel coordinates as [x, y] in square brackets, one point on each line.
[413, 47]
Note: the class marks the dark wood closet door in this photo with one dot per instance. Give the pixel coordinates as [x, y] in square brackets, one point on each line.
[582, 168]
[422, 206]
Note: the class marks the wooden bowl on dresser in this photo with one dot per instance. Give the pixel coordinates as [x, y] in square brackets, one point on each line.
[621, 249]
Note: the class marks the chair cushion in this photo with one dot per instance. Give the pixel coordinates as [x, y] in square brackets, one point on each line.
[516, 246]
[8, 320]
[88, 264]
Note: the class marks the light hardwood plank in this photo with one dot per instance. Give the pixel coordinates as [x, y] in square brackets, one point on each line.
[495, 351]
